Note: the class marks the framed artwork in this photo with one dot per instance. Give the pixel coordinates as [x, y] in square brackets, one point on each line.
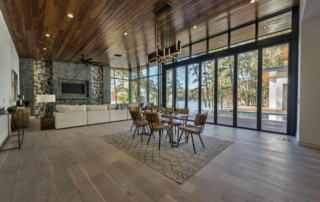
[14, 86]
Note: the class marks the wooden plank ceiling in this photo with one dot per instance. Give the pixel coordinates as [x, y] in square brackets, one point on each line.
[98, 26]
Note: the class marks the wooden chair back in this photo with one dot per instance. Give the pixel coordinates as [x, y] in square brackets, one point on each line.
[200, 120]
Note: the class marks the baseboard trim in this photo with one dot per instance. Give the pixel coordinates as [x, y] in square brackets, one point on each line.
[309, 145]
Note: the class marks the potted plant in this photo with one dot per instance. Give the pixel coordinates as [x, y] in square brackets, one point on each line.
[27, 102]
[167, 110]
[151, 109]
[12, 109]
[176, 112]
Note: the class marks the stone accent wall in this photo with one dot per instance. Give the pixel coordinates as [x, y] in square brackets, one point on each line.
[42, 84]
[71, 71]
[27, 80]
[97, 85]
[106, 85]
[37, 78]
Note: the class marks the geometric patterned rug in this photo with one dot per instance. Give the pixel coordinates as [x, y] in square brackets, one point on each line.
[179, 163]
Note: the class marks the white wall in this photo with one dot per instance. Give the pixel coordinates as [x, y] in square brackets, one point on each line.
[309, 134]
[272, 93]
[8, 60]
[281, 79]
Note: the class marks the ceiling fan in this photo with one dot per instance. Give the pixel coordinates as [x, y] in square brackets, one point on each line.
[87, 61]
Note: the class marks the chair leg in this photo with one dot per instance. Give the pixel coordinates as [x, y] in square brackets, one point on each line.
[149, 137]
[193, 143]
[201, 141]
[159, 138]
[131, 127]
[142, 134]
[187, 137]
[134, 133]
[179, 138]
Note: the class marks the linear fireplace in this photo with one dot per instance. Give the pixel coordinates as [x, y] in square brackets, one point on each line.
[73, 88]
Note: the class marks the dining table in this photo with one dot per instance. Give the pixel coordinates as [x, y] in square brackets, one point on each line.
[171, 117]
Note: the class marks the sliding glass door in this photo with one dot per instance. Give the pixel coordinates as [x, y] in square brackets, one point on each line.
[247, 89]
[181, 88]
[275, 88]
[193, 89]
[169, 88]
[225, 90]
[207, 89]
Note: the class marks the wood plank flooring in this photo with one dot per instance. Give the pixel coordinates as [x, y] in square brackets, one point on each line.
[77, 165]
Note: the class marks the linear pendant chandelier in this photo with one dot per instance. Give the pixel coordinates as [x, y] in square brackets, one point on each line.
[168, 51]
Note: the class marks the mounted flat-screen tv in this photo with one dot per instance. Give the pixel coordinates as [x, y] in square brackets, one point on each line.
[72, 88]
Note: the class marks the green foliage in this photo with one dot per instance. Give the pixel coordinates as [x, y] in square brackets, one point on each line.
[27, 101]
[88, 102]
[12, 108]
[129, 98]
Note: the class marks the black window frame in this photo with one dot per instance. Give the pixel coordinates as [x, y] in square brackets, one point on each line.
[290, 38]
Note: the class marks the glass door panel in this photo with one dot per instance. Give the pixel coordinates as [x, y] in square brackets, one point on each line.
[247, 89]
[143, 88]
[274, 88]
[207, 89]
[225, 90]
[153, 90]
[193, 89]
[181, 88]
[169, 88]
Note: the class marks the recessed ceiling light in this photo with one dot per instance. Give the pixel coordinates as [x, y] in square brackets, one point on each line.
[47, 35]
[125, 33]
[194, 27]
[41, 58]
[265, 28]
[219, 41]
[253, 1]
[44, 48]
[125, 51]
[70, 15]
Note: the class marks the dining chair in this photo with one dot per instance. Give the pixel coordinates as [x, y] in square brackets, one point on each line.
[138, 122]
[183, 111]
[137, 109]
[155, 125]
[196, 129]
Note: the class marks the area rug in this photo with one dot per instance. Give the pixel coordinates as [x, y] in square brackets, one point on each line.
[179, 163]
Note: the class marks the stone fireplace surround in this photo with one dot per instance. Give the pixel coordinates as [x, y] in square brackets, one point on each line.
[45, 77]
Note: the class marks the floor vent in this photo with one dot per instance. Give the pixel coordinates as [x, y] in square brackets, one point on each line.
[285, 139]
[118, 55]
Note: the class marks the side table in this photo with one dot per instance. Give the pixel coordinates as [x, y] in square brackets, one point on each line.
[47, 122]
[17, 112]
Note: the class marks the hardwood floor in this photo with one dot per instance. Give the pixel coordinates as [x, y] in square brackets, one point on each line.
[77, 165]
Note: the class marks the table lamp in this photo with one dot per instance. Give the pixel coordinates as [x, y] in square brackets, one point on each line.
[140, 99]
[46, 99]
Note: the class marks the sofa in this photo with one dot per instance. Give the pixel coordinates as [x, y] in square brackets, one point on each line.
[70, 116]
[98, 114]
[81, 115]
[117, 114]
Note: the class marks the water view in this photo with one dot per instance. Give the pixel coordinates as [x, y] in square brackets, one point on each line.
[193, 108]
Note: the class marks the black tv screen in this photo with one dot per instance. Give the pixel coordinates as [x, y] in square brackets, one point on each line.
[72, 88]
